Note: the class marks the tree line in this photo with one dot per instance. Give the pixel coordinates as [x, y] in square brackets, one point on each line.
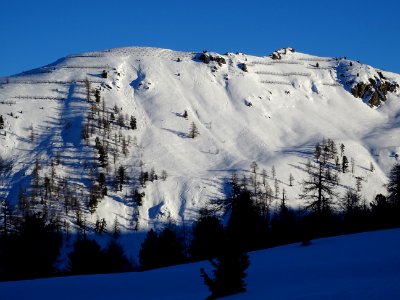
[252, 216]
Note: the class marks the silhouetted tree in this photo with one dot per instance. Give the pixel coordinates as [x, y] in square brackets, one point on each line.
[355, 215]
[86, 258]
[5, 217]
[31, 251]
[116, 228]
[229, 274]
[318, 188]
[148, 254]
[160, 250]
[246, 226]
[381, 211]
[170, 248]
[115, 260]
[208, 237]
[393, 188]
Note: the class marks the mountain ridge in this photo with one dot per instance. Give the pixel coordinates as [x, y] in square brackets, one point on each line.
[272, 110]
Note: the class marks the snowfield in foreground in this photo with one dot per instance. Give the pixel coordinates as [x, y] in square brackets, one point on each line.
[359, 266]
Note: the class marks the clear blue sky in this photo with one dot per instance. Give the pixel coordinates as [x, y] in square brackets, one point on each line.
[35, 33]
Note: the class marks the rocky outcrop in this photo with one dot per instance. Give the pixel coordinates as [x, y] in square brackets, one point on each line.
[277, 55]
[374, 91]
[243, 67]
[207, 58]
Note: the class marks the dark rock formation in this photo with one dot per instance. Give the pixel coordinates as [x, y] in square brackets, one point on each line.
[375, 91]
[207, 58]
[243, 67]
[276, 55]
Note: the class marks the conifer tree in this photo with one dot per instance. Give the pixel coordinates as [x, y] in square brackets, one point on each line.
[318, 188]
[341, 149]
[382, 211]
[208, 237]
[345, 164]
[350, 202]
[352, 164]
[87, 86]
[121, 177]
[229, 274]
[102, 183]
[148, 255]
[358, 183]
[317, 151]
[164, 175]
[132, 123]
[86, 258]
[116, 228]
[264, 176]
[103, 156]
[31, 250]
[371, 167]
[97, 96]
[193, 131]
[160, 250]
[5, 214]
[170, 249]
[246, 225]
[291, 179]
[1, 122]
[115, 260]
[276, 185]
[120, 120]
[393, 189]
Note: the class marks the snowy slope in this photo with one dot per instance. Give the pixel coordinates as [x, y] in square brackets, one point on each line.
[361, 266]
[273, 114]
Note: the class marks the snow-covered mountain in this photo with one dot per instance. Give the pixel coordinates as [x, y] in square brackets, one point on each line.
[360, 266]
[271, 110]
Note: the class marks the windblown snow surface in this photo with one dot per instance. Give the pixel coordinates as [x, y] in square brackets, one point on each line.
[273, 114]
[360, 266]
